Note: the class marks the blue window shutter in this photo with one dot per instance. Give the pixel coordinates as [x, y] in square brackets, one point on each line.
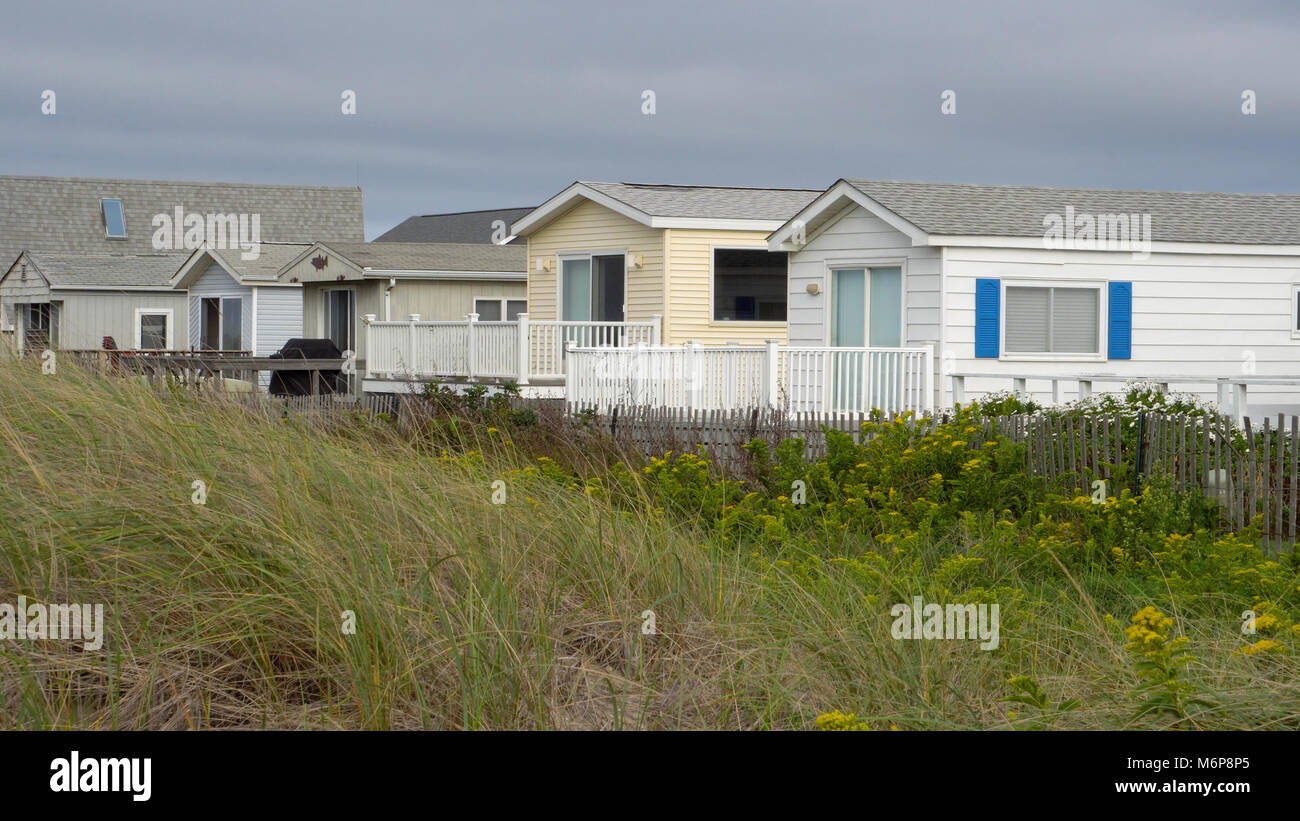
[988, 309]
[1119, 337]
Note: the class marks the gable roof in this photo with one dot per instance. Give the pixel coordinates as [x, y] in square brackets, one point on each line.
[272, 258]
[432, 260]
[929, 209]
[677, 206]
[64, 215]
[434, 256]
[461, 227]
[101, 271]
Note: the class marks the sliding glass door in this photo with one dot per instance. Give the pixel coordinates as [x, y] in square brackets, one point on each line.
[866, 312]
[592, 288]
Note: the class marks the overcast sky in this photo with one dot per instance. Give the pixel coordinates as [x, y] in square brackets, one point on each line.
[499, 104]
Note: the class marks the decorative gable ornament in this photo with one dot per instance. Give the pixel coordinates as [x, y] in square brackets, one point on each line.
[320, 261]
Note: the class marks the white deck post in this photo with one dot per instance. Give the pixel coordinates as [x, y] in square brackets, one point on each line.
[958, 389]
[1056, 391]
[771, 373]
[1085, 388]
[929, 401]
[411, 364]
[471, 347]
[656, 329]
[1018, 385]
[1222, 395]
[691, 387]
[1241, 409]
[366, 319]
[522, 350]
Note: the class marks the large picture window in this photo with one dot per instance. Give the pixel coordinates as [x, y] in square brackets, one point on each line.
[1056, 319]
[749, 285]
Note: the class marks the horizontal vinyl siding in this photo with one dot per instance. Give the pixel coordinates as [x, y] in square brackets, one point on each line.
[1198, 315]
[859, 236]
[279, 318]
[690, 288]
[592, 227]
[446, 300]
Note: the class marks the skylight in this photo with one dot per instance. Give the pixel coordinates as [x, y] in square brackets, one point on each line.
[114, 218]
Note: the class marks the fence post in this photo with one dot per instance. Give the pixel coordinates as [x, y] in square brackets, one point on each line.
[523, 349]
[929, 401]
[411, 364]
[471, 345]
[771, 373]
[656, 329]
[366, 319]
[689, 374]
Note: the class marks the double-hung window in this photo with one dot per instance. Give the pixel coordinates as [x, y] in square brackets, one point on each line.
[498, 309]
[153, 329]
[1056, 319]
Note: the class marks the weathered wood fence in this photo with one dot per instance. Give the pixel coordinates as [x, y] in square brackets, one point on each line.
[1248, 473]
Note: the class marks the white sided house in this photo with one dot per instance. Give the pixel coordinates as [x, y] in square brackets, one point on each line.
[415, 311]
[81, 301]
[1057, 292]
[240, 305]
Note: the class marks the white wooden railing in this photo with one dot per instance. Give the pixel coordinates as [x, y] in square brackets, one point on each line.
[549, 339]
[522, 350]
[1231, 392]
[791, 378]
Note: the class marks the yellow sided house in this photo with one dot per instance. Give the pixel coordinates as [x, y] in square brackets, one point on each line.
[693, 257]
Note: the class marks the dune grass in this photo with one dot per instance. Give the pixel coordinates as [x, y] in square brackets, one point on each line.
[475, 615]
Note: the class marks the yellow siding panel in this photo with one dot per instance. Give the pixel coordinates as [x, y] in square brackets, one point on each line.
[690, 285]
[592, 227]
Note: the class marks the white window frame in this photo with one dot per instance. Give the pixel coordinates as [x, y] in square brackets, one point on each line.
[169, 343]
[1099, 285]
[474, 301]
[570, 255]
[122, 204]
[866, 263]
[746, 323]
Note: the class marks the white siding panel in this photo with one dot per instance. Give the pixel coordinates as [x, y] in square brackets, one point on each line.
[1193, 315]
[857, 235]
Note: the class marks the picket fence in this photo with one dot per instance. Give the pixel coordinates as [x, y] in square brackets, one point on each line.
[1248, 473]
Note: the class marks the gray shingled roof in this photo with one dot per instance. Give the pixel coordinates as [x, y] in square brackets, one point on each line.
[270, 259]
[106, 270]
[467, 226]
[434, 256]
[708, 202]
[63, 214]
[1018, 211]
